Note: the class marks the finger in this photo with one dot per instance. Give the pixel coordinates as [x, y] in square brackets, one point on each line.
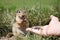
[54, 18]
[34, 30]
[37, 27]
[51, 16]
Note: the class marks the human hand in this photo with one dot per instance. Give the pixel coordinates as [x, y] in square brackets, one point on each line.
[53, 28]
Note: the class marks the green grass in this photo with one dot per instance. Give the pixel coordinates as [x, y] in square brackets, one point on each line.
[37, 37]
[38, 12]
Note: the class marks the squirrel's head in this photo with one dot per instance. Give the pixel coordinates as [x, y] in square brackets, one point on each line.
[21, 16]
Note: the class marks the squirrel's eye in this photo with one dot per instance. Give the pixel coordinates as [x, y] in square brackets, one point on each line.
[19, 12]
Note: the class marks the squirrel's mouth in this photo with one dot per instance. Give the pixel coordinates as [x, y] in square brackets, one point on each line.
[23, 18]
